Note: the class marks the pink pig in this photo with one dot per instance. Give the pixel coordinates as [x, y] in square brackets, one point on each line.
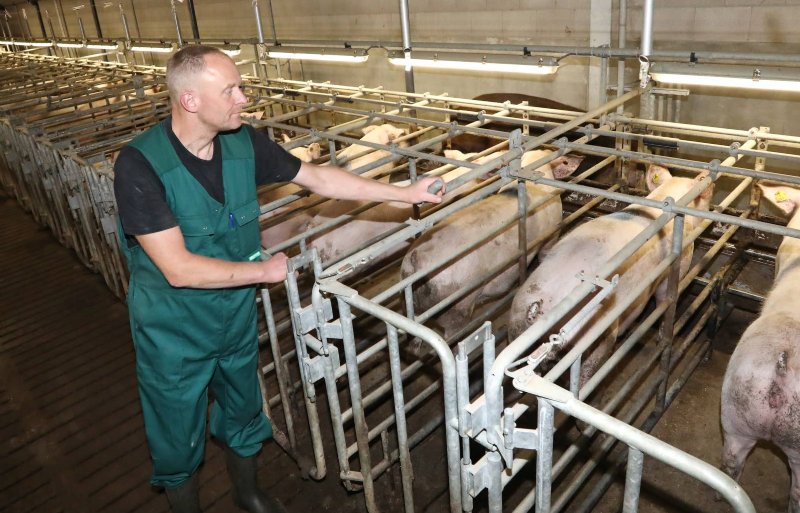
[469, 225]
[588, 247]
[761, 389]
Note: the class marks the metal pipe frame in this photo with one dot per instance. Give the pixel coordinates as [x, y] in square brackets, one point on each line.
[68, 188]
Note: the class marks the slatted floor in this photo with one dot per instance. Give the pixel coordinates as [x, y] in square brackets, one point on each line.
[71, 433]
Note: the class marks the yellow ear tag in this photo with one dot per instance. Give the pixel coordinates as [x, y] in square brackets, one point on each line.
[780, 196]
[656, 178]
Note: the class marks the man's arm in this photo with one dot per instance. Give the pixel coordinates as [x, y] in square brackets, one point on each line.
[185, 269]
[335, 182]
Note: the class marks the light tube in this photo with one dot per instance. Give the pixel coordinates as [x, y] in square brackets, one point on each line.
[496, 67]
[33, 43]
[318, 57]
[94, 46]
[155, 49]
[724, 81]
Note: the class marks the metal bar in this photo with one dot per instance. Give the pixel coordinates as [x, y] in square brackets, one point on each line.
[406, 471]
[648, 444]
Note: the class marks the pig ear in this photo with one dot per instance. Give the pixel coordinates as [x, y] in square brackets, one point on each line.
[369, 128]
[708, 191]
[314, 150]
[286, 138]
[395, 133]
[781, 196]
[566, 165]
[656, 175]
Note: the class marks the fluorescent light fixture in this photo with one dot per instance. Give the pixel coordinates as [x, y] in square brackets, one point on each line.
[38, 44]
[143, 47]
[69, 45]
[323, 54]
[727, 76]
[500, 63]
[102, 46]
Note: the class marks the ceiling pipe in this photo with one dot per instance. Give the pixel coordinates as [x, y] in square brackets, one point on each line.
[193, 19]
[646, 100]
[50, 23]
[405, 26]
[177, 23]
[96, 20]
[27, 26]
[622, 41]
[272, 22]
[259, 28]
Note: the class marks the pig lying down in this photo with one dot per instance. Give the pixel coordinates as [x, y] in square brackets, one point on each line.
[379, 134]
[761, 389]
[298, 214]
[470, 225]
[588, 247]
[341, 240]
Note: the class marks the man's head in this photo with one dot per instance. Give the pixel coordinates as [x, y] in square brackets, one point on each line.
[204, 84]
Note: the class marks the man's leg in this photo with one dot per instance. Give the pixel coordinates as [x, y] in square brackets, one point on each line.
[237, 419]
[174, 395]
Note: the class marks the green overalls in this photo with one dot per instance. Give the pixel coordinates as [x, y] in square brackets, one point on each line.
[188, 339]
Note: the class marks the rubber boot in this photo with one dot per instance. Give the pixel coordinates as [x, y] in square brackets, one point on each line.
[185, 498]
[246, 493]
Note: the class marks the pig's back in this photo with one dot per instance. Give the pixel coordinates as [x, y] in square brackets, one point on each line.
[586, 248]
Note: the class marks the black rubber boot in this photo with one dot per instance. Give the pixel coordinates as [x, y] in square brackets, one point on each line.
[246, 493]
[185, 498]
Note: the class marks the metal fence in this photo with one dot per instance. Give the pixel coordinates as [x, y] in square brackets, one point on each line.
[349, 323]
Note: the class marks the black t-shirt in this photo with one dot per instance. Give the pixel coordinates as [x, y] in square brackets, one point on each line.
[140, 194]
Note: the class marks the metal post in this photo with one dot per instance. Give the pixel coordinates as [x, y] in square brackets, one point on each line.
[96, 19]
[405, 27]
[544, 456]
[177, 22]
[646, 101]
[272, 22]
[83, 30]
[193, 18]
[633, 480]
[27, 25]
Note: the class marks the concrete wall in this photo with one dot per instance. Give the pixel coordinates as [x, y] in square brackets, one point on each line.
[760, 25]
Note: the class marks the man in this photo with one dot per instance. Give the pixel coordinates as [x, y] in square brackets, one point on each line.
[186, 194]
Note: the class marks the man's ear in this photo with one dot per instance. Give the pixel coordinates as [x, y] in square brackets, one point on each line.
[189, 101]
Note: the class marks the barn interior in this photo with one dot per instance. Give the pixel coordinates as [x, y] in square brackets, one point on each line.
[387, 393]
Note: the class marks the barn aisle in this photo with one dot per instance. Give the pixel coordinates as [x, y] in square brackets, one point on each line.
[71, 434]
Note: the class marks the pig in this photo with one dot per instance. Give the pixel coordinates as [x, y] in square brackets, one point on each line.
[588, 247]
[288, 220]
[761, 389]
[380, 134]
[469, 225]
[341, 240]
[299, 214]
[304, 153]
[248, 117]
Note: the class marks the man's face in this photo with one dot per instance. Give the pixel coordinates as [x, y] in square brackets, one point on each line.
[220, 97]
